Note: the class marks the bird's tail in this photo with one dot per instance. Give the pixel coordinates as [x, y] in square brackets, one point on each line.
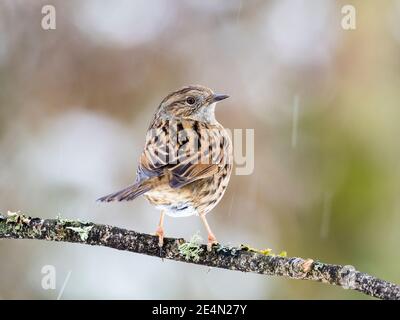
[126, 194]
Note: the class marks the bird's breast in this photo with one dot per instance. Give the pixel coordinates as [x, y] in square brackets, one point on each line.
[208, 145]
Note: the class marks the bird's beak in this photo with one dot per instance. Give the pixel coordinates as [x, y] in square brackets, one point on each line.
[218, 97]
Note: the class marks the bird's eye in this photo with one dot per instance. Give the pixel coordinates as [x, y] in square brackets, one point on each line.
[190, 100]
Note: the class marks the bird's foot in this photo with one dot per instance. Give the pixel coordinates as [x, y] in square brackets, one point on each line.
[211, 241]
[160, 234]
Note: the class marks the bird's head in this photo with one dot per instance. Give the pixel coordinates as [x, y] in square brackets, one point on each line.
[193, 102]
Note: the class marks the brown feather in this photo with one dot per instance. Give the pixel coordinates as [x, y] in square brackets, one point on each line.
[187, 159]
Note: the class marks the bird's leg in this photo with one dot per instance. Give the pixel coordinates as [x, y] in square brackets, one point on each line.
[211, 238]
[160, 230]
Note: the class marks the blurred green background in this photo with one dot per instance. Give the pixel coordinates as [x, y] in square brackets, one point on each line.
[75, 103]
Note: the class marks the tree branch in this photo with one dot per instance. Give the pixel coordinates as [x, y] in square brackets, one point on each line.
[18, 226]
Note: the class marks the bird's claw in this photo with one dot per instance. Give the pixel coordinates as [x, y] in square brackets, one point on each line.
[212, 240]
[160, 234]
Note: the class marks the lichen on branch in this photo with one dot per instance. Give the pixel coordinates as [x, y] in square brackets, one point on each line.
[243, 258]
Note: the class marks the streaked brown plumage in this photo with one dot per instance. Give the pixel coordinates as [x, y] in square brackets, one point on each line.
[187, 159]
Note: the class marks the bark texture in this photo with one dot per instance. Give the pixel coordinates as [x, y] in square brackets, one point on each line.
[18, 226]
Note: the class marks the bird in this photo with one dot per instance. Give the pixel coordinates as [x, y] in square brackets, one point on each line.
[186, 163]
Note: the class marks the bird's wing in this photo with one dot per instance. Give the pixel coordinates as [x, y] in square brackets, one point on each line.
[182, 152]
